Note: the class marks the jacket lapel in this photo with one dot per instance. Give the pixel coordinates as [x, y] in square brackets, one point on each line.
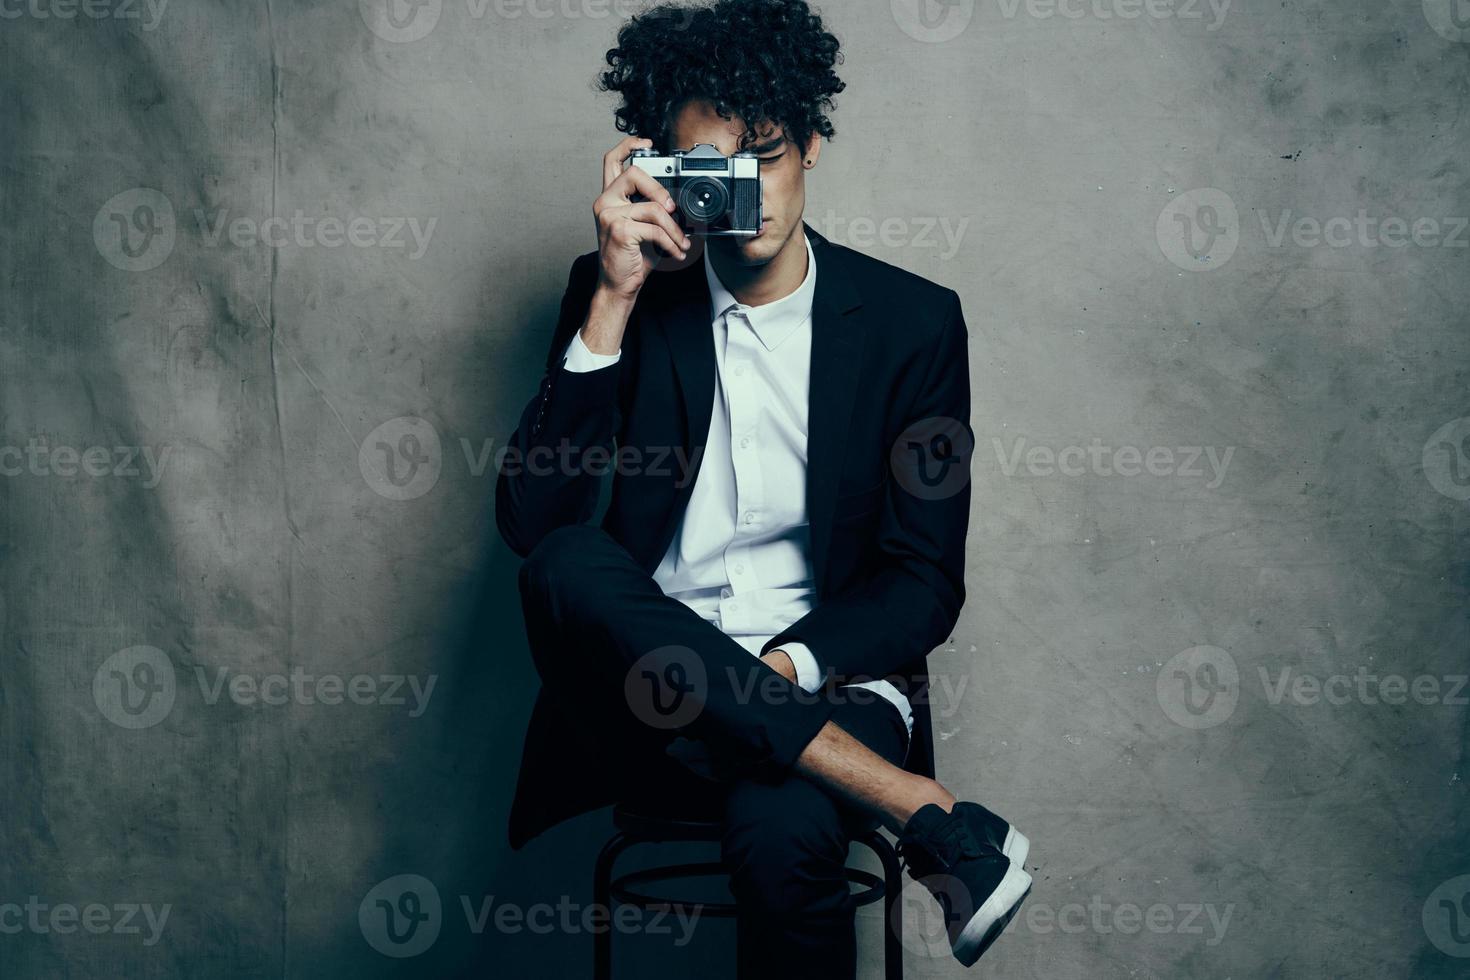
[837, 354]
[683, 316]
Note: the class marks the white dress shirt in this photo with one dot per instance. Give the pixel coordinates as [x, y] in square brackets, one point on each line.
[741, 557]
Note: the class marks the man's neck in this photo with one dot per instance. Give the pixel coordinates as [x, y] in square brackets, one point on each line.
[761, 284]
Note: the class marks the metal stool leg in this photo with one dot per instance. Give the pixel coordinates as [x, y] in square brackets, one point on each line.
[892, 921]
[602, 898]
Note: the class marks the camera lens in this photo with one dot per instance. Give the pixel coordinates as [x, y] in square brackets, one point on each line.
[704, 200]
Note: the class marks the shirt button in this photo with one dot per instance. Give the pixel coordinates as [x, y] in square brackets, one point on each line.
[724, 593]
[739, 370]
[745, 443]
[739, 569]
[749, 517]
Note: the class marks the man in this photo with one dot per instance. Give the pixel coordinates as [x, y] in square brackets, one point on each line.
[787, 424]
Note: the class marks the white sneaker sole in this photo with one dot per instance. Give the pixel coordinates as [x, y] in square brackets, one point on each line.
[1016, 847]
[990, 920]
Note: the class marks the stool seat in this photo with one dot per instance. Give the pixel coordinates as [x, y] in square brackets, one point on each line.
[635, 820]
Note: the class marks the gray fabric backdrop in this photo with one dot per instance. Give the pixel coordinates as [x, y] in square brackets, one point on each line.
[1214, 261]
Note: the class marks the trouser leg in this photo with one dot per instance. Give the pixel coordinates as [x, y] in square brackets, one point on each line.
[785, 844]
[606, 638]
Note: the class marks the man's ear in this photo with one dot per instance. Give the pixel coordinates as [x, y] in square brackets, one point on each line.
[813, 151]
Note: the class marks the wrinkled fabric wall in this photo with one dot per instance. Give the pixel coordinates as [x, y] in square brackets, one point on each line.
[277, 276]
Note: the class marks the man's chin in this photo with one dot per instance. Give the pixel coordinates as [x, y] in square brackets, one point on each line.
[754, 251]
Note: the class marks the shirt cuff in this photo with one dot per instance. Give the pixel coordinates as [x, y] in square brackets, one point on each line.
[808, 674]
[579, 358]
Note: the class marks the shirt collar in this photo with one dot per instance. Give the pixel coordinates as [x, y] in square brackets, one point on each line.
[772, 322]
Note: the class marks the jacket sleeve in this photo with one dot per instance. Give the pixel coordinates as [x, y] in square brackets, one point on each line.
[552, 466]
[911, 602]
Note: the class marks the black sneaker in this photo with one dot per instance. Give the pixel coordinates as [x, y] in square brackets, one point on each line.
[996, 832]
[976, 884]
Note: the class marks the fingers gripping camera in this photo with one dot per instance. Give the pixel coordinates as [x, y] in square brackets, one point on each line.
[714, 194]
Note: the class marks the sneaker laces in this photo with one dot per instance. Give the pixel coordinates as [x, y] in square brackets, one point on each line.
[944, 845]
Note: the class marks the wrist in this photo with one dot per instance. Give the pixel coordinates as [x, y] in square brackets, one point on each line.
[780, 661]
[607, 318]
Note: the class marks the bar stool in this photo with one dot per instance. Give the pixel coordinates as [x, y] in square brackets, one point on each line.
[634, 828]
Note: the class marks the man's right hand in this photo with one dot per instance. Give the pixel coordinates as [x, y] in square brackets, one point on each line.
[630, 238]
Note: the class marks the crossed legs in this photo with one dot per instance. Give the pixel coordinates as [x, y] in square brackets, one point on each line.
[800, 776]
[601, 630]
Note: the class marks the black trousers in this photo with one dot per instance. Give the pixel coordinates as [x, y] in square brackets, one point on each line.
[647, 676]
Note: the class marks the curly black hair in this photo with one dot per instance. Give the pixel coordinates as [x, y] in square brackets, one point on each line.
[757, 60]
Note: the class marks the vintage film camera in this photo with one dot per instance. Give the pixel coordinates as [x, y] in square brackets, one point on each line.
[714, 194]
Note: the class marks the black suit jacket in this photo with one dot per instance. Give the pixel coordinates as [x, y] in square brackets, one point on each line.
[890, 408]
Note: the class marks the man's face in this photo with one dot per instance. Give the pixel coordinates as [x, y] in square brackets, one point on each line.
[783, 178]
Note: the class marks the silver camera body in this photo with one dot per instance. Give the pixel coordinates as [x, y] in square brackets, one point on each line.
[714, 194]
